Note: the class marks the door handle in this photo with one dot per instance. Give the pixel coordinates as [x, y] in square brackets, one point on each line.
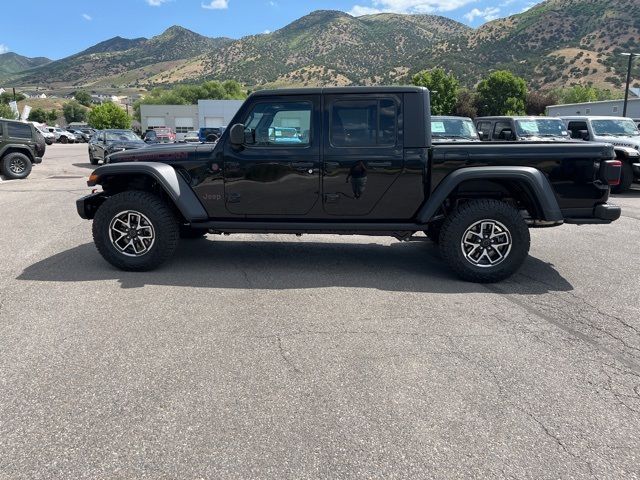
[303, 165]
[379, 164]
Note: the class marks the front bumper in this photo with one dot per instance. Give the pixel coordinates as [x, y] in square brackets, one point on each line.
[602, 214]
[37, 160]
[88, 206]
[636, 169]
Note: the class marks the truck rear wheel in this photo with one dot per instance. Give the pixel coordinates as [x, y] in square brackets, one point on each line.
[135, 231]
[485, 241]
[626, 179]
[16, 166]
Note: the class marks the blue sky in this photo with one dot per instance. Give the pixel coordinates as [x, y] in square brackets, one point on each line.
[60, 29]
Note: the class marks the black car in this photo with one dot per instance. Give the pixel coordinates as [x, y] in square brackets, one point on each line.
[81, 136]
[348, 161]
[106, 142]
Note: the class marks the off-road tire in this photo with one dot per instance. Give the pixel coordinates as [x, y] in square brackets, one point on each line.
[15, 166]
[190, 233]
[626, 179]
[164, 222]
[462, 219]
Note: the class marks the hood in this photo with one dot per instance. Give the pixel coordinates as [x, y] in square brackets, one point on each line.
[629, 142]
[165, 153]
[127, 145]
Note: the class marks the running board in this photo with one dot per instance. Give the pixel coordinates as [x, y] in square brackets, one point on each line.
[350, 228]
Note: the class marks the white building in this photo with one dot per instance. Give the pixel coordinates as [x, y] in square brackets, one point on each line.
[609, 108]
[217, 113]
[184, 118]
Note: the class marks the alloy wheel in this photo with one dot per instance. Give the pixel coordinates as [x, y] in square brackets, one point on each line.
[486, 243]
[132, 233]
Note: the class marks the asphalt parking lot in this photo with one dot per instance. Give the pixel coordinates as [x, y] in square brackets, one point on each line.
[256, 356]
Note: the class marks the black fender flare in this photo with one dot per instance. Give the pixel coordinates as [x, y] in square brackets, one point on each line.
[533, 179]
[17, 148]
[173, 184]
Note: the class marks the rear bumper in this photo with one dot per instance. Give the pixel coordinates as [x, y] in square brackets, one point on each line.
[604, 213]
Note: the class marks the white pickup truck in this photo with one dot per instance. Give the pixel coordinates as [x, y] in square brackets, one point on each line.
[622, 133]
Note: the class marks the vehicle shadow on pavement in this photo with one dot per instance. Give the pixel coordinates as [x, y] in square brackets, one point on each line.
[633, 193]
[85, 165]
[207, 263]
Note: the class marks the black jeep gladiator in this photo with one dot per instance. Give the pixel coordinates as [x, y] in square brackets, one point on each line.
[348, 161]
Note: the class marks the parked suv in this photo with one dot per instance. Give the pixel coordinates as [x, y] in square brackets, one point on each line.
[513, 129]
[106, 142]
[453, 129]
[356, 160]
[622, 133]
[210, 134]
[21, 146]
[62, 136]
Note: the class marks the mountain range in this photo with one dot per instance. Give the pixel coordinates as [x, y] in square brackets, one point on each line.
[554, 43]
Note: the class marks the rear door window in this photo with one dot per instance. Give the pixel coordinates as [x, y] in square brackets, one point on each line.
[364, 123]
[19, 130]
[499, 128]
[575, 127]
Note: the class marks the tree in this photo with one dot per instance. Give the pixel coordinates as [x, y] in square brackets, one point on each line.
[38, 115]
[537, 102]
[502, 93]
[443, 88]
[83, 98]
[190, 94]
[583, 94]
[6, 112]
[109, 115]
[52, 116]
[74, 112]
[466, 104]
[7, 97]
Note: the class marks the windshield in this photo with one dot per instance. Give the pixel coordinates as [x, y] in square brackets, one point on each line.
[614, 128]
[123, 136]
[453, 128]
[541, 127]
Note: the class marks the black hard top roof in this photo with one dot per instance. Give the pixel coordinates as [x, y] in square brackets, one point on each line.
[339, 90]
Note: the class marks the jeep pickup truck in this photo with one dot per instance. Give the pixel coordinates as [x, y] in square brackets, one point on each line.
[356, 160]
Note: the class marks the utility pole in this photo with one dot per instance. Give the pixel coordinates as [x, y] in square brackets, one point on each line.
[626, 92]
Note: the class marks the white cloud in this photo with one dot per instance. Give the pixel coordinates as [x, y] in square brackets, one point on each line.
[488, 14]
[216, 5]
[528, 7]
[87, 17]
[408, 6]
[267, 32]
[156, 3]
[3, 48]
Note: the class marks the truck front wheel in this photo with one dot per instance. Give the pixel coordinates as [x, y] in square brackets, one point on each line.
[485, 241]
[135, 231]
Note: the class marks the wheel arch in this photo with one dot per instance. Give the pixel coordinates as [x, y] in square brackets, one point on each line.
[17, 149]
[154, 177]
[526, 184]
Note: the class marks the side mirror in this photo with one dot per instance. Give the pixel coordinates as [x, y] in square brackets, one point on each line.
[236, 134]
[584, 135]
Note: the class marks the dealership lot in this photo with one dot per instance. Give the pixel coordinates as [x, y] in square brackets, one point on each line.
[255, 356]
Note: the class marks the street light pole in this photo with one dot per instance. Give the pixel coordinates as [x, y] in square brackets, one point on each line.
[626, 92]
